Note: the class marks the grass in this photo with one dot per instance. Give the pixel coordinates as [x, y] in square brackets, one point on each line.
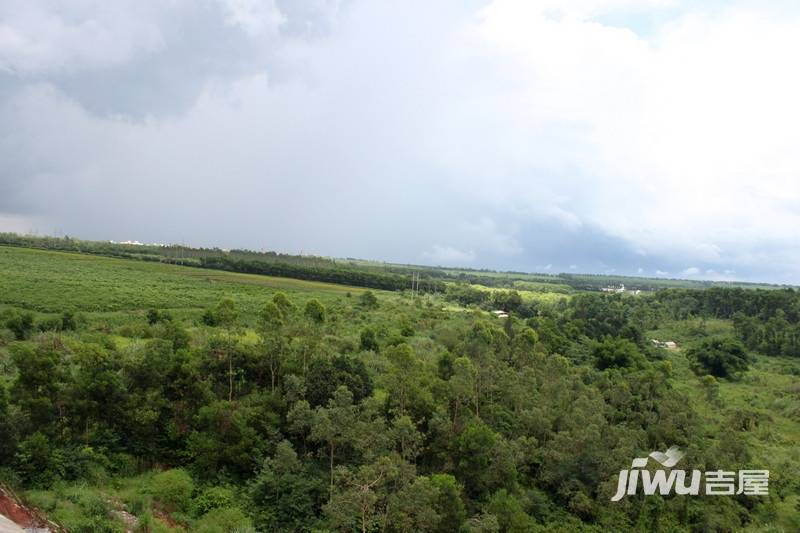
[530, 295]
[54, 282]
[769, 393]
[90, 507]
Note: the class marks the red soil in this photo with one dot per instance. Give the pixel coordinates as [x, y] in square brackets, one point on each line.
[23, 516]
[16, 513]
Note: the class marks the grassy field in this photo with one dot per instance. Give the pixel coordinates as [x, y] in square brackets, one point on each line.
[760, 408]
[48, 281]
[537, 295]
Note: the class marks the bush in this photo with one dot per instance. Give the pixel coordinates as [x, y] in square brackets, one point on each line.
[616, 353]
[49, 324]
[369, 300]
[719, 357]
[68, 321]
[369, 340]
[38, 463]
[224, 314]
[315, 311]
[224, 520]
[6, 336]
[154, 316]
[173, 489]
[174, 333]
[284, 304]
[21, 324]
[213, 498]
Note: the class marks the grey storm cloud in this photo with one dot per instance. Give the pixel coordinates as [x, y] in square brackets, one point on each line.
[158, 56]
[501, 134]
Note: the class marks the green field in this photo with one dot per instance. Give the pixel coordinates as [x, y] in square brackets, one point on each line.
[56, 281]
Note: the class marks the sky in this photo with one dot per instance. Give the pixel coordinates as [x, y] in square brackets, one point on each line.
[650, 137]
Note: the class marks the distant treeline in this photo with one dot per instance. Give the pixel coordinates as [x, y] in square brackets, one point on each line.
[766, 321]
[598, 281]
[331, 274]
[68, 244]
[265, 263]
[719, 302]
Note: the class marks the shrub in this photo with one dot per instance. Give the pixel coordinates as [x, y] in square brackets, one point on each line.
[224, 314]
[49, 324]
[369, 340]
[213, 498]
[224, 520]
[315, 311]
[38, 462]
[173, 489]
[6, 336]
[154, 316]
[284, 304]
[719, 357]
[68, 321]
[616, 353]
[21, 324]
[369, 300]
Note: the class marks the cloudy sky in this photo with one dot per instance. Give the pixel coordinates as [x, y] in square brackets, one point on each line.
[650, 137]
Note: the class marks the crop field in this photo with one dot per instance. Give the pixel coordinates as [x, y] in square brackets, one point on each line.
[49, 281]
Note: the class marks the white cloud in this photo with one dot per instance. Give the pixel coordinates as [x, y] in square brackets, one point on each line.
[680, 139]
[36, 37]
[256, 17]
[475, 127]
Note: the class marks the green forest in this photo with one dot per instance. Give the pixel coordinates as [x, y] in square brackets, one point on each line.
[239, 392]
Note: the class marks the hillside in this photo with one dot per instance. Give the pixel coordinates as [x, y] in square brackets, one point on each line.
[180, 398]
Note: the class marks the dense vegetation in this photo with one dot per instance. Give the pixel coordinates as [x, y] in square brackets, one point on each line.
[220, 401]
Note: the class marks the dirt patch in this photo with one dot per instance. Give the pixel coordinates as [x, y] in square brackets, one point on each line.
[17, 513]
[167, 519]
[22, 515]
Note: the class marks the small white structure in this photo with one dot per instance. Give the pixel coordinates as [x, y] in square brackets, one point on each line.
[669, 345]
[499, 313]
[619, 289]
